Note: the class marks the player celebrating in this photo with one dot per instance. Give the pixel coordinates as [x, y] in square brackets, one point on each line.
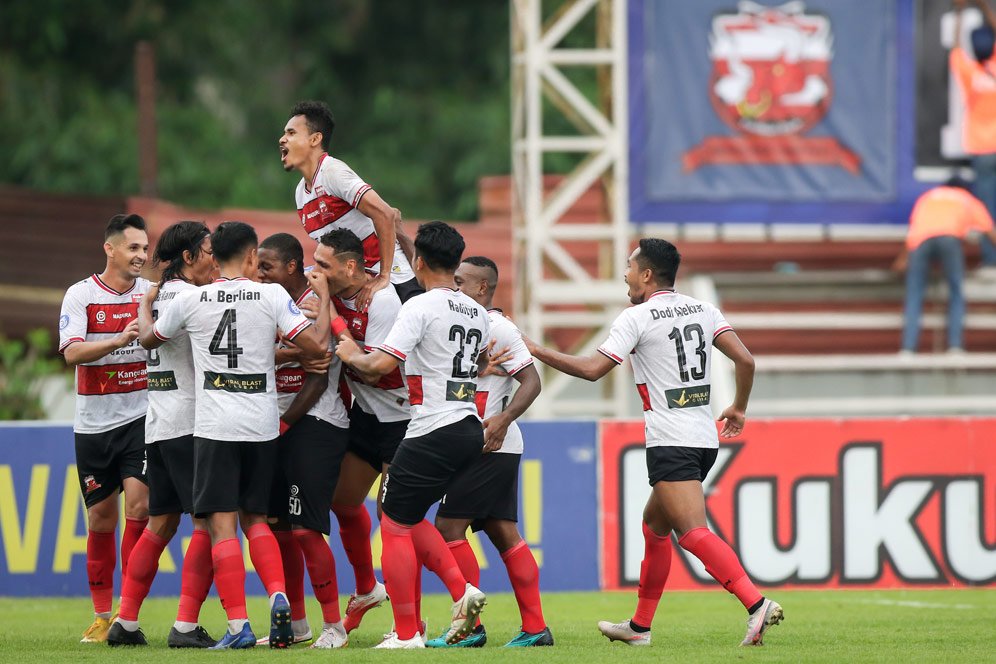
[97, 332]
[330, 195]
[185, 250]
[439, 336]
[670, 338]
[485, 495]
[231, 325]
[315, 433]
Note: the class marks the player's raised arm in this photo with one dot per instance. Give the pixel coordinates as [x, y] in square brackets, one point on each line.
[384, 218]
[314, 340]
[734, 416]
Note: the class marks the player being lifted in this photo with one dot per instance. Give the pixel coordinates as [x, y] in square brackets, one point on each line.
[485, 495]
[440, 336]
[231, 325]
[670, 338]
[184, 251]
[314, 427]
[330, 195]
[98, 328]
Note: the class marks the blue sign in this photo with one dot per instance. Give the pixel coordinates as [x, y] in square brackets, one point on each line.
[43, 520]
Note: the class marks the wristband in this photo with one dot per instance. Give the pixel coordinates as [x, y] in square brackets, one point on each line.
[283, 427]
[338, 325]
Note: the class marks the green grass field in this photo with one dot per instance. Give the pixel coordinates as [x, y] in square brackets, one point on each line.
[841, 626]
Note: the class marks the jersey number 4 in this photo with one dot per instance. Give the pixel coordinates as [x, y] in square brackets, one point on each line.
[689, 331]
[226, 330]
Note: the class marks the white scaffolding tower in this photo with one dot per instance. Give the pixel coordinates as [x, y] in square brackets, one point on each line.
[554, 291]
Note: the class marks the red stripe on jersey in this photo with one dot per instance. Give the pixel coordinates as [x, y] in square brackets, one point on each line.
[290, 379]
[299, 329]
[364, 189]
[322, 212]
[415, 390]
[392, 351]
[110, 378]
[109, 318]
[644, 395]
[661, 292]
[371, 250]
[481, 401]
[721, 330]
[304, 296]
[520, 367]
[70, 341]
[614, 358]
[318, 169]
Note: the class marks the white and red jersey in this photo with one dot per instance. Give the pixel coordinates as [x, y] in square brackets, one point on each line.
[231, 324]
[670, 338]
[290, 379]
[330, 201]
[171, 376]
[110, 391]
[438, 335]
[388, 399]
[494, 392]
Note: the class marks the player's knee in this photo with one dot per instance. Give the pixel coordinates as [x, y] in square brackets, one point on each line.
[451, 530]
[503, 534]
[164, 525]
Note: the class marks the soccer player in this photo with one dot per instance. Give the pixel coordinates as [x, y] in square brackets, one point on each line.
[330, 195]
[670, 338]
[232, 324]
[441, 337]
[97, 335]
[315, 431]
[485, 495]
[184, 249]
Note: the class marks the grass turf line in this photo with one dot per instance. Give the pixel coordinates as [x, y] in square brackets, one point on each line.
[863, 626]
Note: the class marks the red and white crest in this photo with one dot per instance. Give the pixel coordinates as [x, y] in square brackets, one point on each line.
[771, 68]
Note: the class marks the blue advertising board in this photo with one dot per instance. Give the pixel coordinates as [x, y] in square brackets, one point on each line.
[43, 521]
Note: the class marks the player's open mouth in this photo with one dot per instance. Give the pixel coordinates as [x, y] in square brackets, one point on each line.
[283, 153]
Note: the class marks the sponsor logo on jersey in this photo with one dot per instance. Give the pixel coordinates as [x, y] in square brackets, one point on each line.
[90, 484]
[162, 381]
[290, 379]
[63, 321]
[95, 380]
[100, 316]
[109, 318]
[227, 382]
[771, 83]
[687, 397]
[460, 391]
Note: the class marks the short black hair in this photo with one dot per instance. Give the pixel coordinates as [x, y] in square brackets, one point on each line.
[318, 117]
[485, 262]
[958, 182]
[983, 42]
[181, 236]
[345, 243]
[119, 222]
[661, 257]
[287, 247]
[439, 245]
[232, 239]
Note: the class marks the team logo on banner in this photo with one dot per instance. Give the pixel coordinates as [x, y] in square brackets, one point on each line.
[771, 83]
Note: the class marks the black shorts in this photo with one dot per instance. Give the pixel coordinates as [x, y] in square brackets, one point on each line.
[104, 460]
[486, 489]
[171, 476]
[424, 467]
[372, 440]
[679, 464]
[408, 289]
[309, 455]
[233, 475]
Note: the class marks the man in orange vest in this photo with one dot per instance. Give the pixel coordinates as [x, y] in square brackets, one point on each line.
[941, 220]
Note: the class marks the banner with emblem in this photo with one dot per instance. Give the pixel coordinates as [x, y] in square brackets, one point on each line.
[769, 111]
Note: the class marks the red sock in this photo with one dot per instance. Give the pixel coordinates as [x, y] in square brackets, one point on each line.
[230, 578]
[418, 596]
[142, 570]
[293, 562]
[400, 566]
[466, 560]
[524, 575]
[431, 549]
[196, 577]
[722, 563]
[101, 557]
[321, 569]
[132, 533]
[653, 575]
[354, 529]
[265, 555]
